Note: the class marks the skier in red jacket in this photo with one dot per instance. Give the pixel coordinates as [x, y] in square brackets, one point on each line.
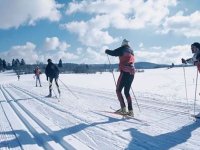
[127, 71]
[37, 72]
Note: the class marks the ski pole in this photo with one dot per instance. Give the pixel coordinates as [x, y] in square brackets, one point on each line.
[116, 84]
[112, 71]
[185, 87]
[135, 99]
[68, 88]
[195, 92]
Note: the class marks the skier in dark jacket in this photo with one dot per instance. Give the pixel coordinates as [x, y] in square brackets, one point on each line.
[52, 72]
[127, 71]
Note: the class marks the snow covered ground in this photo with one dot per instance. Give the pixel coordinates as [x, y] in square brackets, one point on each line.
[29, 120]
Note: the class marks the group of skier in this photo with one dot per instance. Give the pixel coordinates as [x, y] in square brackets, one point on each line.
[127, 72]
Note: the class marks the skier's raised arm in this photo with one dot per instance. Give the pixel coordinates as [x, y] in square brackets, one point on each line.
[116, 52]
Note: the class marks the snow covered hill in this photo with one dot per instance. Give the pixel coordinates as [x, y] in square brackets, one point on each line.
[81, 118]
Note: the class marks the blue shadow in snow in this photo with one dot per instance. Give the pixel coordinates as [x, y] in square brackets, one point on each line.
[56, 135]
[163, 141]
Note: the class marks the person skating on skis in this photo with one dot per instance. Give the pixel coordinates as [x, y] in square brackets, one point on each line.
[37, 72]
[195, 60]
[127, 71]
[52, 72]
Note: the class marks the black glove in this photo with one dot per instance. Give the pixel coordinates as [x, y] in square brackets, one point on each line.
[183, 61]
[106, 51]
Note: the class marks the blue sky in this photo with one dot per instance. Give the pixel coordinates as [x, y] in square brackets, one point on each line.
[80, 31]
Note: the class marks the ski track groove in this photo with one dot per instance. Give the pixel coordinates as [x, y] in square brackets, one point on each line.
[18, 115]
[125, 138]
[44, 127]
[63, 110]
[58, 109]
[172, 112]
[142, 104]
[49, 104]
[39, 140]
[111, 94]
[3, 114]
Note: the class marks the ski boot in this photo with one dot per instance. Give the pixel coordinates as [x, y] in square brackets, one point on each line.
[49, 95]
[130, 113]
[121, 111]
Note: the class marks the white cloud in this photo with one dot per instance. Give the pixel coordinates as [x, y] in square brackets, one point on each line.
[26, 52]
[21, 12]
[185, 25]
[93, 56]
[164, 56]
[54, 43]
[90, 34]
[57, 55]
[126, 14]
[31, 54]
[100, 7]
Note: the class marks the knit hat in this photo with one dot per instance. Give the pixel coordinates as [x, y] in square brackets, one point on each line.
[124, 42]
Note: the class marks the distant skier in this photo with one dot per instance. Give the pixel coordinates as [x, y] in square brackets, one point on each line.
[127, 71]
[195, 60]
[18, 76]
[52, 72]
[37, 72]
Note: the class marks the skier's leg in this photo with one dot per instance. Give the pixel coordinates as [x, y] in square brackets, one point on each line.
[36, 81]
[50, 86]
[120, 85]
[39, 80]
[127, 86]
[56, 81]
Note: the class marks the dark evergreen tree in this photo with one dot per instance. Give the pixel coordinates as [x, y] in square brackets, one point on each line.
[13, 63]
[60, 63]
[1, 64]
[4, 64]
[22, 63]
[17, 62]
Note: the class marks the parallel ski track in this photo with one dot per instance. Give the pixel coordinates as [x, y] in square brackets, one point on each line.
[51, 104]
[12, 130]
[191, 141]
[58, 108]
[29, 126]
[147, 97]
[151, 104]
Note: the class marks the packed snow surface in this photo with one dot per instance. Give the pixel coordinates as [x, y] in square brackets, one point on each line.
[81, 118]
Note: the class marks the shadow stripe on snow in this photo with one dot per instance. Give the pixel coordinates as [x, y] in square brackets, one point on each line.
[54, 106]
[38, 122]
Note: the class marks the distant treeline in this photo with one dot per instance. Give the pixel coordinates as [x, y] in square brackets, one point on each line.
[21, 67]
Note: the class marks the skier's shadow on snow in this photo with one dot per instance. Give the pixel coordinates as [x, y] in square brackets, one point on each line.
[13, 142]
[163, 141]
[82, 126]
[58, 135]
